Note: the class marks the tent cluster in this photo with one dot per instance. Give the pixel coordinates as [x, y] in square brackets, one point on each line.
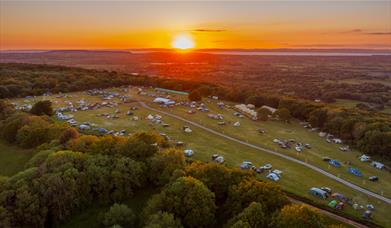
[215, 116]
[330, 138]
[247, 110]
[273, 175]
[375, 164]
[338, 200]
[194, 106]
[287, 144]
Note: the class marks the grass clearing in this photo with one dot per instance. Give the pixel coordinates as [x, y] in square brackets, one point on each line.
[13, 159]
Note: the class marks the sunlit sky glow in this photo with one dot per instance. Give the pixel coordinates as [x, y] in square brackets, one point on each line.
[264, 24]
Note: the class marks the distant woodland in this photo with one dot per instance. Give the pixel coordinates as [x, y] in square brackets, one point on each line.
[327, 78]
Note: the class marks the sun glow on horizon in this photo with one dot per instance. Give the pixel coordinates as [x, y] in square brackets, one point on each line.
[183, 42]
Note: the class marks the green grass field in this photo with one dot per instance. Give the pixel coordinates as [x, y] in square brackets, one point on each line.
[12, 159]
[296, 178]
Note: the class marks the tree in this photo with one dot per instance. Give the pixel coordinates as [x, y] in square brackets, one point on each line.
[163, 220]
[263, 114]
[318, 117]
[119, 214]
[240, 224]
[188, 199]
[253, 215]
[38, 158]
[252, 190]
[38, 131]
[42, 108]
[83, 144]
[4, 92]
[137, 149]
[108, 145]
[70, 133]
[376, 142]
[218, 178]
[284, 114]
[297, 216]
[5, 109]
[205, 90]
[195, 95]
[11, 126]
[126, 176]
[164, 164]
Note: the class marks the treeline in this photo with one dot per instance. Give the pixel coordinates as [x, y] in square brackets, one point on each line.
[71, 171]
[20, 80]
[369, 132]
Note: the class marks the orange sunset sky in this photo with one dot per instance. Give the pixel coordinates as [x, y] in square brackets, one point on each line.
[129, 24]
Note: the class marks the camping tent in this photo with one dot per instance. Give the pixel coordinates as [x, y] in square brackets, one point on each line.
[273, 177]
[335, 163]
[220, 159]
[246, 165]
[377, 165]
[188, 153]
[318, 193]
[161, 100]
[364, 158]
[354, 171]
[333, 203]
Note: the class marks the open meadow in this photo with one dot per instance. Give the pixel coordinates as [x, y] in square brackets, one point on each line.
[296, 178]
[13, 159]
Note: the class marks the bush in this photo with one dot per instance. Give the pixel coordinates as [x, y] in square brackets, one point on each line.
[38, 158]
[253, 215]
[187, 198]
[163, 220]
[297, 216]
[11, 126]
[42, 108]
[195, 95]
[164, 164]
[263, 114]
[119, 214]
[69, 134]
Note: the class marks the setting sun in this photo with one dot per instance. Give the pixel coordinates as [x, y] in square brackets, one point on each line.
[183, 42]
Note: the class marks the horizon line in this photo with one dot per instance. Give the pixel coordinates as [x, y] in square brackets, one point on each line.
[203, 49]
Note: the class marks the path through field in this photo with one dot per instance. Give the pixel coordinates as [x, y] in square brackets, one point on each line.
[319, 170]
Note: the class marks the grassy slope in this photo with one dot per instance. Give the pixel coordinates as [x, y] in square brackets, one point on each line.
[12, 159]
[296, 178]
